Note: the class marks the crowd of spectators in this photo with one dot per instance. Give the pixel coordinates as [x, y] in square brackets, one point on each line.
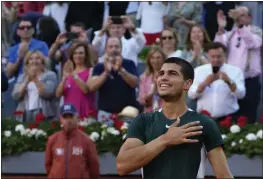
[86, 54]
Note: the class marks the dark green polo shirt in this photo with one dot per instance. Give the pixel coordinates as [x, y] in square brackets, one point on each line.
[175, 162]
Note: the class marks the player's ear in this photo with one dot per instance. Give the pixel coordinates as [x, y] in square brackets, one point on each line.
[187, 84]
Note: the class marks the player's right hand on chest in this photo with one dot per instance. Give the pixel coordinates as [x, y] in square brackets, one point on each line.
[179, 135]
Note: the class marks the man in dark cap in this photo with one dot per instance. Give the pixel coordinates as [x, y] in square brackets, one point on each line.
[70, 153]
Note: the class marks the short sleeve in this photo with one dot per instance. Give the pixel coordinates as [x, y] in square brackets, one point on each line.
[137, 129]
[211, 134]
[12, 55]
[44, 49]
[131, 68]
[98, 69]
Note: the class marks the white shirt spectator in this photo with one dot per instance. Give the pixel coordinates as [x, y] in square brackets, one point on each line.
[218, 99]
[177, 53]
[152, 16]
[130, 47]
[58, 12]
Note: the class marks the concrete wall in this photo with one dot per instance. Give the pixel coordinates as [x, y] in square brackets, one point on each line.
[33, 163]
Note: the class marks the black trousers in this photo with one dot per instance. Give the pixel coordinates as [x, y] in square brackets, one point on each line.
[249, 104]
[234, 116]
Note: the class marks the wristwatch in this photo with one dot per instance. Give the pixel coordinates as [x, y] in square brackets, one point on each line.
[122, 71]
[75, 76]
[230, 82]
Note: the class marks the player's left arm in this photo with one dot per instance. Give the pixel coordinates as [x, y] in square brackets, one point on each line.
[219, 163]
[213, 143]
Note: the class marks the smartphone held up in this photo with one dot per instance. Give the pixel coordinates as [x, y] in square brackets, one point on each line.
[215, 69]
[116, 19]
[72, 35]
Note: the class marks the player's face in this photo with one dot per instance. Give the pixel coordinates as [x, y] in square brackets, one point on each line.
[170, 82]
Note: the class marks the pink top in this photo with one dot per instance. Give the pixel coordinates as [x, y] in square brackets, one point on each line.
[73, 94]
[243, 47]
[145, 88]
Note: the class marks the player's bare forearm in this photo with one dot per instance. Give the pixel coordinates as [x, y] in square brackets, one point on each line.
[219, 163]
[132, 158]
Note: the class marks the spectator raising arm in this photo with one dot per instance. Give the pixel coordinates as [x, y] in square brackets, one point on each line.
[99, 38]
[53, 51]
[136, 34]
[221, 35]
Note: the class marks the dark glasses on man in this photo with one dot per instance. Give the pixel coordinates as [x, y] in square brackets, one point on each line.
[167, 37]
[25, 27]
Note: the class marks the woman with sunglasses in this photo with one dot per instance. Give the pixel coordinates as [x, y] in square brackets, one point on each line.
[36, 88]
[168, 43]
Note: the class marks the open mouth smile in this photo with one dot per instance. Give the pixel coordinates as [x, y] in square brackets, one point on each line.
[164, 86]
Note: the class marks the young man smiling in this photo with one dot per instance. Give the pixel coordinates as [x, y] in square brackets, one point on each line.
[167, 143]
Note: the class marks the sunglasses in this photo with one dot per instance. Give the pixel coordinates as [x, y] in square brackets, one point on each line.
[25, 27]
[238, 42]
[167, 37]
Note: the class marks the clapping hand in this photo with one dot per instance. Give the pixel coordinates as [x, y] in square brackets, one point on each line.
[210, 79]
[118, 63]
[224, 76]
[221, 19]
[197, 49]
[22, 49]
[107, 64]
[68, 68]
[179, 135]
[32, 73]
[236, 13]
